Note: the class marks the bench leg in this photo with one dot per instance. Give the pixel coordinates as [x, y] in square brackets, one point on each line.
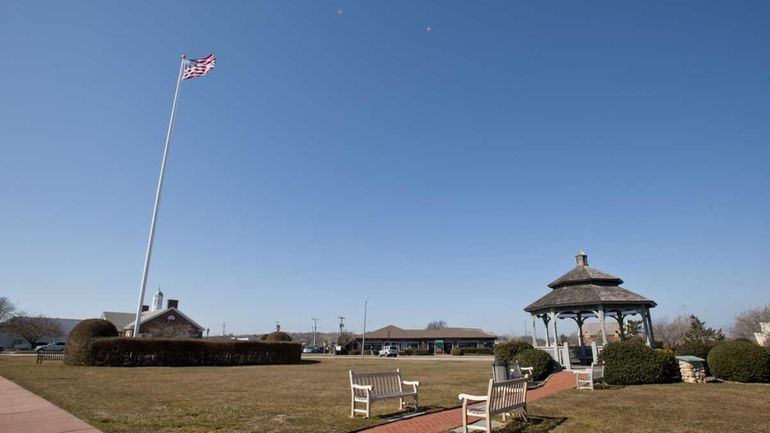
[368, 408]
[352, 407]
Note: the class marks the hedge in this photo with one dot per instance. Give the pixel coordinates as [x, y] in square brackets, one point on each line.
[541, 362]
[78, 346]
[460, 351]
[632, 363]
[507, 351]
[416, 352]
[276, 336]
[740, 361]
[695, 348]
[175, 352]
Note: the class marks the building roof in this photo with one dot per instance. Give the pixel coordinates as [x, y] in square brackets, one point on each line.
[118, 319]
[149, 315]
[584, 286]
[396, 333]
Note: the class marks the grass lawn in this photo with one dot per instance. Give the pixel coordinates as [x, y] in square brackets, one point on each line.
[314, 397]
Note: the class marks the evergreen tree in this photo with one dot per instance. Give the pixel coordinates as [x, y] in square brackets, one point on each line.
[698, 332]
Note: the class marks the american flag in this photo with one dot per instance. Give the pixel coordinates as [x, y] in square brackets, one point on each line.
[199, 67]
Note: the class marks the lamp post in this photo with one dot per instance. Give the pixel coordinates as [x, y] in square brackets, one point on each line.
[363, 336]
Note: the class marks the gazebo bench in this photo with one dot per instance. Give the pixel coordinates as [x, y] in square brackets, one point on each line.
[502, 397]
[366, 388]
[48, 356]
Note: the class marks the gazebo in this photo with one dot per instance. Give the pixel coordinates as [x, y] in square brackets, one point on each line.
[586, 292]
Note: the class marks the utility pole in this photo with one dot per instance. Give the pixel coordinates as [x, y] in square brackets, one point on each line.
[224, 326]
[315, 328]
[342, 323]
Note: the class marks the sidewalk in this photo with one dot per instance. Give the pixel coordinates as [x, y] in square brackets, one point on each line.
[24, 412]
[442, 422]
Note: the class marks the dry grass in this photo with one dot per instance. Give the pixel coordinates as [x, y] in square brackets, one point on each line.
[310, 397]
[313, 397]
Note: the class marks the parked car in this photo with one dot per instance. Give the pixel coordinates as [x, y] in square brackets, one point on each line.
[389, 351]
[312, 349]
[56, 346]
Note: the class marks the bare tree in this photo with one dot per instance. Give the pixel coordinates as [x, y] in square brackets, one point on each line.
[747, 322]
[7, 309]
[33, 329]
[671, 332]
[436, 324]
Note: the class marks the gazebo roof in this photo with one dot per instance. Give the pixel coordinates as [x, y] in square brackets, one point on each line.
[585, 286]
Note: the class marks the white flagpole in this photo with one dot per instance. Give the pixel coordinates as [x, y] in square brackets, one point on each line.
[137, 322]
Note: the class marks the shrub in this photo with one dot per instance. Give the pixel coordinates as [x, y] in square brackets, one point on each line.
[507, 351]
[416, 352]
[695, 348]
[276, 336]
[136, 352]
[460, 351]
[740, 361]
[633, 363]
[541, 362]
[78, 345]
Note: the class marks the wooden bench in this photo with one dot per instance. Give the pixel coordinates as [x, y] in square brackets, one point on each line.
[585, 379]
[366, 388]
[502, 397]
[49, 356]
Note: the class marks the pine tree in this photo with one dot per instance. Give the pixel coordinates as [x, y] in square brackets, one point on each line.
[698, 332]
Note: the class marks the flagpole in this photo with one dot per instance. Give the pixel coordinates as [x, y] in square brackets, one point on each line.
[148, 254]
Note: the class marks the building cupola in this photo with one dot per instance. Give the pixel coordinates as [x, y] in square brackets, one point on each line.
[157, 300]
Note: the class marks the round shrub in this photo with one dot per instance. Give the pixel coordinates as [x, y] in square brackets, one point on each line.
[507, 351]
[78, 348]
[541, 362]
[740, 361]
[695, 348]
[277, 336]
[632, 363]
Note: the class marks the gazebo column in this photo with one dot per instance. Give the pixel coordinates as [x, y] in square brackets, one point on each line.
[600, 314]
[555, 316]
[534, 333]
[579, 319]
[546, 319]
[647, 322]
[619, 317]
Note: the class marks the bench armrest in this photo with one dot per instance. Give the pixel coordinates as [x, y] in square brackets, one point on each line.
[529, 370]
[411, 382]
[472, 397]
[365, 387]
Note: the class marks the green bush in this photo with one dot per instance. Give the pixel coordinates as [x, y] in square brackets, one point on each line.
[416, 352]
[695, 348]
[633, 363]
[460, 351]
[174, 352]
[276, 336]
[78, 346]
[740, 361]
[541, 362]
[507, 351]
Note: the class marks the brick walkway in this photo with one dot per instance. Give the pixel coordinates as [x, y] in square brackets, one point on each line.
[24, 412]
[441, 422]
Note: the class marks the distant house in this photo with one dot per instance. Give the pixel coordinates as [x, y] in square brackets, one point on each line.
[763, 337]
[434, 340]
[10, 340]
[156, 321]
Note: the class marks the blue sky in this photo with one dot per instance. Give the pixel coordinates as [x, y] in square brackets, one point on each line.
[448, 173]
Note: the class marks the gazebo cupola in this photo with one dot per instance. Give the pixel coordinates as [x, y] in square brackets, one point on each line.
[586, 292]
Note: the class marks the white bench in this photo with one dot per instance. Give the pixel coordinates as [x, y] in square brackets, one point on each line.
[366, 388]
[585, 379]
[503, 397]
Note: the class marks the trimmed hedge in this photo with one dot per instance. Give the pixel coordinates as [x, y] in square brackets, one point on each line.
[740, 361]
[416, 352]
[276, 336]
[632, 363]
[507, 351]
[695, 348]
[176, 352]
[460, 351]
[541, 362]
[78, 346]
